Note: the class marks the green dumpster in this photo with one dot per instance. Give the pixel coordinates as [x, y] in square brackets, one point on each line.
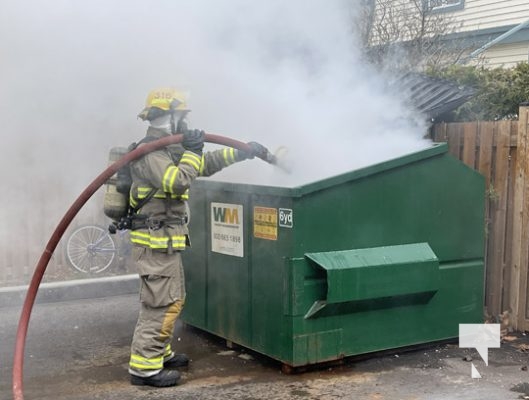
[378, 258]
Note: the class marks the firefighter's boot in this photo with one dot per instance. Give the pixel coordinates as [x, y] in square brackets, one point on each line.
[178, 360]
[164, 378]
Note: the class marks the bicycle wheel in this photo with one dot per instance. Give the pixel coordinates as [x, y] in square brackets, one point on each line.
[90, 249]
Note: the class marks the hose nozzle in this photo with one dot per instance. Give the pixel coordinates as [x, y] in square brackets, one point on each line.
[278, 158]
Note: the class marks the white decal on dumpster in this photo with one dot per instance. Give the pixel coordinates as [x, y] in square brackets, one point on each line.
[227, 229]
[286, 218]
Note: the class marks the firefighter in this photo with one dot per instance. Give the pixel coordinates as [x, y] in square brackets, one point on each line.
[160, 186]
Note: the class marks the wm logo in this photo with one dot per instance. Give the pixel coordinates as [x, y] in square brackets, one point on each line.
[226, 215]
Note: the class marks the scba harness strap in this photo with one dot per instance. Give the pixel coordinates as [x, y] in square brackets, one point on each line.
[140, 221]
[133, 220]
[123, 185]
[124, 181]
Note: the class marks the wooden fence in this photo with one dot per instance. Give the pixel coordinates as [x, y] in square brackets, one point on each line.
[499, 151]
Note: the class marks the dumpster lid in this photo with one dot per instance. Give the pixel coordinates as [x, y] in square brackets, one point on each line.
[431, 95]
[434, 150]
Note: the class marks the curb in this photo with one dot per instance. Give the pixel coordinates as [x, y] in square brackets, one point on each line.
[72, 290]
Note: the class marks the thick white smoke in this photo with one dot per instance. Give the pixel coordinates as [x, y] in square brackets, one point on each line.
[74, 75]
[290, 73]
[283, 73]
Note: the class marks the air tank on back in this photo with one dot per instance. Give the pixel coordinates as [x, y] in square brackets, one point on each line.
[115, 203]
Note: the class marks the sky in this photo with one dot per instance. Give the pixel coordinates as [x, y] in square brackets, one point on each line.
[74, 76]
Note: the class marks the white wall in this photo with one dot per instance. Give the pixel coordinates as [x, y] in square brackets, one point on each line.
[506, 55]
[484, 14]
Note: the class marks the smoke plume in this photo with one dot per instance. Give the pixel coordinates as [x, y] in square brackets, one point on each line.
[74, 75]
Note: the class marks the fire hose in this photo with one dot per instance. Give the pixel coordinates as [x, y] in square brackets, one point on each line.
[67, 219]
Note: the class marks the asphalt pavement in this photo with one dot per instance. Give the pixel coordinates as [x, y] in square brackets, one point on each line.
[78, 350]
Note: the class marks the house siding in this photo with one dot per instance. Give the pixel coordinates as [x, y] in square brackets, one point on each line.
[476, 15]
[479, 20]
[506, 55]
[486, 14]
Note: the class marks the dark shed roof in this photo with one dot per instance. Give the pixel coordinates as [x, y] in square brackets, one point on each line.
[432, 96]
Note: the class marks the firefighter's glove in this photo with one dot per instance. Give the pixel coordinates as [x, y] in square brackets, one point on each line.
[255, 150]
[194, 140]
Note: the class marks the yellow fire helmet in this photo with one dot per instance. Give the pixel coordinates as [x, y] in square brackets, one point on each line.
[160, 101]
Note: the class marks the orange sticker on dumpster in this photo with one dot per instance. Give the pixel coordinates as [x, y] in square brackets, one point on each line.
[265, 223]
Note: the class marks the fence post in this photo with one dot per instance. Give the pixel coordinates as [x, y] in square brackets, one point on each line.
[520, 228]
[498, 187]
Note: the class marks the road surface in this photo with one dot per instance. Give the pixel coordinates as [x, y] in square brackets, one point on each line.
[78, 350]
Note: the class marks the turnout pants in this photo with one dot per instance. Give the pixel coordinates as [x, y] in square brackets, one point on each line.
[162, 296]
